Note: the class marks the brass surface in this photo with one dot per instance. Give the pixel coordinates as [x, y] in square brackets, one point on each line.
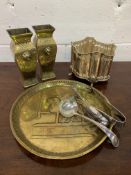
[38, 126]
[25, 54]
[91, 60]
[46, 50]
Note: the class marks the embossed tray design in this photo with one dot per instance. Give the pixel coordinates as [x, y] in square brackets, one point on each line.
[38, 126]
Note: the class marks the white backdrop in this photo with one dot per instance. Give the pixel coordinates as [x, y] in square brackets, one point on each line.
[106, 20]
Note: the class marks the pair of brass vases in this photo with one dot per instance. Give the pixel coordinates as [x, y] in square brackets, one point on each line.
[43, 49]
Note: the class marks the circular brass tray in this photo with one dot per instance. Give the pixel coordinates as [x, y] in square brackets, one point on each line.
[38, 126]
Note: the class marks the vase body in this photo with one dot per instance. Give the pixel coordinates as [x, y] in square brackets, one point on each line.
[46, 50]
[25, 55]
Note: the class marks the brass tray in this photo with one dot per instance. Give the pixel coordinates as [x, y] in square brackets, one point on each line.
[38, 126]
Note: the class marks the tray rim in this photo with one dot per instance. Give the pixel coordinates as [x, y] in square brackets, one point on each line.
[45, 155]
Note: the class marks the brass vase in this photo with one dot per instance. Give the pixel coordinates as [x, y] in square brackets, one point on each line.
[25, 55]
[46, 50]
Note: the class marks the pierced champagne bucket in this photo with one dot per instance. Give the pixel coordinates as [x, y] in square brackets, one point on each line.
[91, 60]
[46, 50]
[25, 54]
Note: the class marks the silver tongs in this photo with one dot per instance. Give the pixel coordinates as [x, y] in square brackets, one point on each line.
[101, 116]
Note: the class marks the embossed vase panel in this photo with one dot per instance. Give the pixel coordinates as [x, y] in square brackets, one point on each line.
[25, 54]
[46, 50]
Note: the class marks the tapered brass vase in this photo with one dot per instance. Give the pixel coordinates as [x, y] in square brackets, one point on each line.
[91, 60]
[25, 55]
[46, 50]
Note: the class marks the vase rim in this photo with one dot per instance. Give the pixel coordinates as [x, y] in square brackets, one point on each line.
[19, 31]
[42, 28]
